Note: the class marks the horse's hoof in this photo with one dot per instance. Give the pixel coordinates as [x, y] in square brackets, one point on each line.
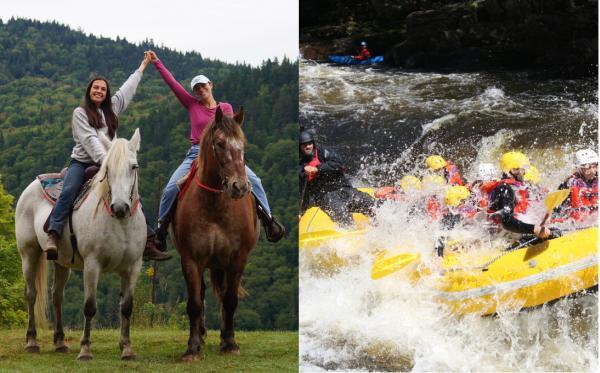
[186, 358]
[62, 349]
[33, 349]
[129, 357]
[86, 357]
[230, 350]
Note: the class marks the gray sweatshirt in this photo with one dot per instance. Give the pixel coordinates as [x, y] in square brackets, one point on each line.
[88, 148]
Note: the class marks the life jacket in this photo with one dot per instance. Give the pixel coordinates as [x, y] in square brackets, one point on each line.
[434, 208]
[391, 193]
[584, 199]
[452, 174]
[521, 194]
[313, 162]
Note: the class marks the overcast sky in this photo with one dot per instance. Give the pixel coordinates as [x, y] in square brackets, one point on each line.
[227, 30]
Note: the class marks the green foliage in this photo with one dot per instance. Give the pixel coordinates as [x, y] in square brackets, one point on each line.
[7, 220]
[12, 305]
[44, 70]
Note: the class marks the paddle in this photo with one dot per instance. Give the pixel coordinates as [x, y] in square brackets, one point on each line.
[385, 266]
[553, 200]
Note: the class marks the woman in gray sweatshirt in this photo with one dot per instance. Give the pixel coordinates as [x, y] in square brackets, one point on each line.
[98, 113]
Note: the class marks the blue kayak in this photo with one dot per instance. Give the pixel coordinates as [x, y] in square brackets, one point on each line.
[348, 60]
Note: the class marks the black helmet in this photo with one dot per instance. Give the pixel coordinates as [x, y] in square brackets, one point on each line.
[306, 136]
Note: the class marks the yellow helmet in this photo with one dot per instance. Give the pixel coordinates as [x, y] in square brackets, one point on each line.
[435, 162]
[512, 160]
[455, 195]
[410, 182]
[532, 174]
[433, 181]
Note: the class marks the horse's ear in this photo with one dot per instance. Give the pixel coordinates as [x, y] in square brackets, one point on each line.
[104, 140]
[239, 116]
[219, 115]
[134, 143]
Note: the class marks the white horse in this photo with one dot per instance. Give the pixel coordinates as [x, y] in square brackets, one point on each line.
[111, 233]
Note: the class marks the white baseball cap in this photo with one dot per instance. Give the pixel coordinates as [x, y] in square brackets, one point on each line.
[199, 79]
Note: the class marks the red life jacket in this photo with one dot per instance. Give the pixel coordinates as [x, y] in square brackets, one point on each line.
[313, 162]
[391, 193]
[434, 208]
[362, 55]
[584, 201]
[521, 193]
[452, 174]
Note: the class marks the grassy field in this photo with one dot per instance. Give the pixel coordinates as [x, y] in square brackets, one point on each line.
[158, 350]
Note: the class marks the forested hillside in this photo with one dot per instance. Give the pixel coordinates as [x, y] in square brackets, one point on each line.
[44, 70]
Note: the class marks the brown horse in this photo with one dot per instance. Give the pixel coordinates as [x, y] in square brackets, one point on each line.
[216, 227]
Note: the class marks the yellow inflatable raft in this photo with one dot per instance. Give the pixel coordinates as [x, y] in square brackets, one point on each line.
[317, 229]
[523, 278]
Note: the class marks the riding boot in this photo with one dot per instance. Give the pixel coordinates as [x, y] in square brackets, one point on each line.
[162, 231]
[151, 251]
[273, 229]
[52, 246]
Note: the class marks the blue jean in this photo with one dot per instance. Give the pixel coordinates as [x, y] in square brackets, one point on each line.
[71, 186]
[169, 196]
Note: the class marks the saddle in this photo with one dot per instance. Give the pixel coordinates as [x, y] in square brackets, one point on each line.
[185, 180]
[52, 185]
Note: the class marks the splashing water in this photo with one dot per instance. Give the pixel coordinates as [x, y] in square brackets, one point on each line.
[384, 123]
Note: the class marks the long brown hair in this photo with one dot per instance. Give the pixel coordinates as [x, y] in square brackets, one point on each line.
[94, 119]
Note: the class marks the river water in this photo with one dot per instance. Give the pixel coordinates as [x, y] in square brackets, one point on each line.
[384, 123]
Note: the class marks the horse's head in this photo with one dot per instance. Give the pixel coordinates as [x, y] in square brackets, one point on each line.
[117, 178]
[223, 144]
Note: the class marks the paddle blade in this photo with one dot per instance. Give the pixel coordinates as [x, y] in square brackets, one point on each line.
[554, 199]
[386, 266]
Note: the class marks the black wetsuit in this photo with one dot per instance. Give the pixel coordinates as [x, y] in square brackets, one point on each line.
[330, 189]
[503, 199]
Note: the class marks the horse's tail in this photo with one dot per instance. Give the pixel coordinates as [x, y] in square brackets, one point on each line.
[41, 288]
[219, 285]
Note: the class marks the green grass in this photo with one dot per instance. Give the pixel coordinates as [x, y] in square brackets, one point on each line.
[158, 350]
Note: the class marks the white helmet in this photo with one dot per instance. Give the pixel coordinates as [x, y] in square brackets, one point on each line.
[363, 43]
[486, 171]
[585, 156]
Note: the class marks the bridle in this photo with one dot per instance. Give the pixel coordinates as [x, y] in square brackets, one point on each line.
[108, 197]
[204, 186]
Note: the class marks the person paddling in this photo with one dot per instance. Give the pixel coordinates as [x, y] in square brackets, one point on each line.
[582, 202]
[509, 197]
[364, 53]
[437, 164]
[323, 183]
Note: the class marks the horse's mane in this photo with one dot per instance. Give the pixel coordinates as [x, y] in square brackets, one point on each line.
[228, 126]
[116, 158]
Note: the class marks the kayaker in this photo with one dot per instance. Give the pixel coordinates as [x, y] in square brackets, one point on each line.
[437, 164]
[364, 53]
[582, 203]
[323, 183]
[509, 198]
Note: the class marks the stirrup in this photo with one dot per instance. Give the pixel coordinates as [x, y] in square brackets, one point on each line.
[273, 230]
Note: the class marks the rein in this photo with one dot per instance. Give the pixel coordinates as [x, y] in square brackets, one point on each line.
[204, 186]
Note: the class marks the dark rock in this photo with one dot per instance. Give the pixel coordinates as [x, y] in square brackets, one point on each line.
[554, 36]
